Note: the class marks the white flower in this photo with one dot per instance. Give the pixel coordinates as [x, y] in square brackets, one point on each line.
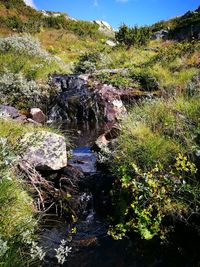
[37, 251]
[62, 252]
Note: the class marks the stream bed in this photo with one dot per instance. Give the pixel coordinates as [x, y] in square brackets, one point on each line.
[91, 245]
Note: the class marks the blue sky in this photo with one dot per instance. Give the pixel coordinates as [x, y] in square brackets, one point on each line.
[131, 12]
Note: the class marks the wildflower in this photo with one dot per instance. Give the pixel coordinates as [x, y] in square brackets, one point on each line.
[36, 251]
[62, 252]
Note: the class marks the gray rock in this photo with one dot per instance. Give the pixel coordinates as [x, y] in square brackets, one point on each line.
[9, 111]
[44, 150]
[111, 43]
[107, 138]
[159, 34]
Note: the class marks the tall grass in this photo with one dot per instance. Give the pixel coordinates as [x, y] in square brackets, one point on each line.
[156, 131]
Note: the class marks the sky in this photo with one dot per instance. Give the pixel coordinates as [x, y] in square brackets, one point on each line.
[116, 12]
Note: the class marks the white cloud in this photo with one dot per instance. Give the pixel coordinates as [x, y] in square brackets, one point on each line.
[30, 3]
[95, 3]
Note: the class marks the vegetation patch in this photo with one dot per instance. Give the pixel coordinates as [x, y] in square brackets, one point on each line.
[157, 167]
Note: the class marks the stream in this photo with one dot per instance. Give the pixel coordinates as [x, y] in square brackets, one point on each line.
[91, 245]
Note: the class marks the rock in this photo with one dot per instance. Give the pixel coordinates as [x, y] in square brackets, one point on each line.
[74, 173]
[37, 115]
[111, 43]
[44, 150]
[162, 34]
[107, 138]
[8, 111]
[113, 106]
[104, 26]
[191, 31]
[22, 119]
[33, 122]
[81, 99]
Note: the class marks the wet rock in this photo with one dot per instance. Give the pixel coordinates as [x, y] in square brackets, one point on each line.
[81, 99]
[37, 115]
[107, 138]
[44, 150]
[72, 172]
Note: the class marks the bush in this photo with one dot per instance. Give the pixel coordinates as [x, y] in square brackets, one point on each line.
[15, 90]
[25, 45]
[133, 36]
[87, 62]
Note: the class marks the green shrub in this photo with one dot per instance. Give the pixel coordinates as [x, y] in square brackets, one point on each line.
[15, 90]
[87, 62]
[134, 36]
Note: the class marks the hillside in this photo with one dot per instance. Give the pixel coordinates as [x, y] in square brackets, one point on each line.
[183, 27]
[129, 100]
[57, 32]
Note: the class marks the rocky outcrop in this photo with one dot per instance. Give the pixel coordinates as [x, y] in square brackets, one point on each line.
[44, 150]
[104, 26]
[162, 34]
[188, 26]
[81, 99]
[187, 32]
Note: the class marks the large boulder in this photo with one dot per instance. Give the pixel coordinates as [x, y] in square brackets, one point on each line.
[44, 150]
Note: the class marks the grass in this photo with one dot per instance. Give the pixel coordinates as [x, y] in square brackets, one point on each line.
[17, 212]
[18, 215]
[15, 131]
[156, 168]
[155, 132]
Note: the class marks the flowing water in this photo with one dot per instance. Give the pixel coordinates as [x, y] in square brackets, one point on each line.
[91, 245]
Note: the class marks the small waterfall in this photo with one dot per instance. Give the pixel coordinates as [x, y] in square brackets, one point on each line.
[74, 100]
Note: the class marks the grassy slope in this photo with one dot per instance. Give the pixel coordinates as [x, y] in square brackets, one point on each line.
[66, 42]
